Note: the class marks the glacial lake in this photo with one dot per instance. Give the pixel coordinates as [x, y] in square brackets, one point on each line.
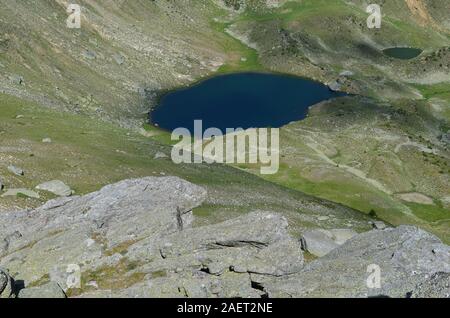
[403, 53]
[244, 100]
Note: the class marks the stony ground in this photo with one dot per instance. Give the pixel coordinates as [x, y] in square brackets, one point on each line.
[136, 239]
[372, 153]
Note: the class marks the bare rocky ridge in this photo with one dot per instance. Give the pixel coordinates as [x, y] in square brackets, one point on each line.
[77, 230]
[407, 257]
[135, 239]
[436, 286]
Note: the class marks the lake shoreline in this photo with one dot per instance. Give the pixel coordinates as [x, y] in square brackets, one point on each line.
[260, 90]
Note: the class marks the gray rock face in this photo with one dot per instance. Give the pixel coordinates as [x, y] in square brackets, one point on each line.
[17, 171]
[320, 242]
[254, 243]
[49, 290]
[221, 260]
[340, 236]
[437, 286]
[135, 239]
[379, 225]
[56, 187]
[79, 230]
[5, 284]
[346, 73]
[406, 257]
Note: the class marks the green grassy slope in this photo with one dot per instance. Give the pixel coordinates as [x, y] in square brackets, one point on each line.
[367, 157]
[87, 154]
[366, 154]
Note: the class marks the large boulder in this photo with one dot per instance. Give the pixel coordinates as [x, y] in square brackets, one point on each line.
[379, 225]
[335, 86]
[56, 187]
[320, 242]
[83, 231]
[437, 286]
[16, 170]
[228, 259]
[135, 239]
[405, 256]
[340, 236]
[254, 243]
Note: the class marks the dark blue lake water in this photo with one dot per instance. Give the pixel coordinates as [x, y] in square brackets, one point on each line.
[246, 100]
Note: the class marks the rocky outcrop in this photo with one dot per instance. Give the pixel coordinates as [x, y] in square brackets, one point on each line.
[16, 170]
[405, 256]
[379, 225]
[80, 230]
[56, 187]
[136, 238]
[335, 86]
[221, 260]
[320, 242]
